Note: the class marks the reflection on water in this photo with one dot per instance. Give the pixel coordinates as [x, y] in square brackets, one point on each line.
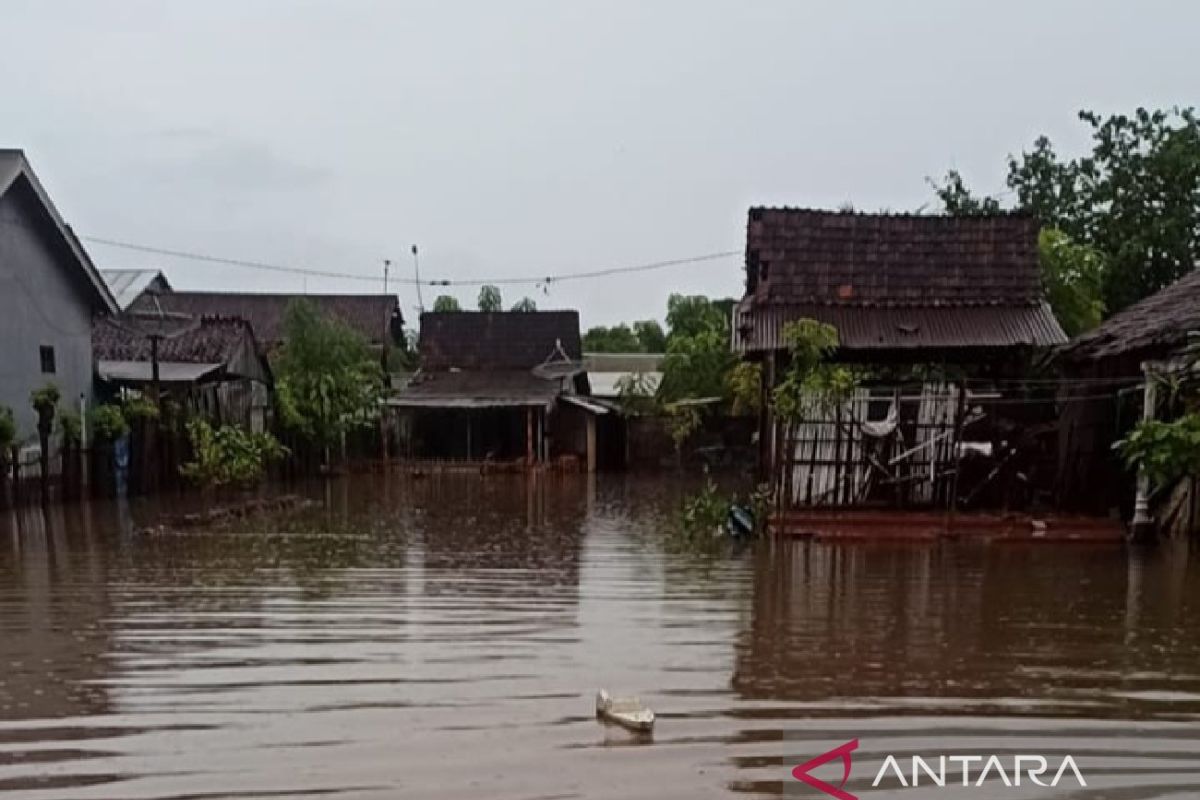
[443, 638]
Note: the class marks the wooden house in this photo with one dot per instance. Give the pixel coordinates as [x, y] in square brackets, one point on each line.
[501, 387]
[938, 314]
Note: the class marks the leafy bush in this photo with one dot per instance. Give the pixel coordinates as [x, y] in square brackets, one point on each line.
[810, 384]
[108, 422]
[705, 512]
[46, 397]
[1165, 450]
[70, 427]
[140, 407]
[228, 455]
[745, 386]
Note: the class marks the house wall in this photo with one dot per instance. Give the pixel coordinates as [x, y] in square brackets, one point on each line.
[42, 302]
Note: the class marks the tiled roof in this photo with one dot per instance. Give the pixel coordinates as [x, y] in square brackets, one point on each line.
[211, 341]
[1153, 327]
[894, 282]
[501, 340]
[368, 314]
[477, 389]
[849, 259]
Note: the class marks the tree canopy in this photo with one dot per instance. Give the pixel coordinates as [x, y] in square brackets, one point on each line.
[446, 302]
[525, 304]
[328, 380]
[489, 299]
[1134, 199]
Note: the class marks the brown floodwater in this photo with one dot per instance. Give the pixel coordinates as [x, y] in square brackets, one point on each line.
[444, 638]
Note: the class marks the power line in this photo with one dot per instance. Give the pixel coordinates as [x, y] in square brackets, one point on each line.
[320, 273]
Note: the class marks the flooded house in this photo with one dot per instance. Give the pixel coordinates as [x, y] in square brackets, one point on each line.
[211, 366]
[1114, 375]
[50, 291]
[940, 318]
[505, 387]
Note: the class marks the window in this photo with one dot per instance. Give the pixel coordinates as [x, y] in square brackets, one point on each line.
[48, 366]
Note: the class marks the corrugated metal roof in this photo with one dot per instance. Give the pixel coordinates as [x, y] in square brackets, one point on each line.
[864, 329]
[478, 389]
[606, 384]
[127, 285]
[143, 371]
[623, 362]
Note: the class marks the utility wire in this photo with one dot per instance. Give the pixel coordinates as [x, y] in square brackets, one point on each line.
[318, 273]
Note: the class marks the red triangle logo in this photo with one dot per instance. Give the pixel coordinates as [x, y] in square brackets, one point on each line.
[843, 752]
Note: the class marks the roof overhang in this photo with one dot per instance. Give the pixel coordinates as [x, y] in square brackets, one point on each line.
[143, 371]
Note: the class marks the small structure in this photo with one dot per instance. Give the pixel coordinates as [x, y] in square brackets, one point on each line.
[607, 372]
[213, 366]
[127, 285]
[49, 293]
[500, 387]
[1110, 381]
[940, 312]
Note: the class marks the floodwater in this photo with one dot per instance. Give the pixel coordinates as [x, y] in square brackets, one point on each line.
[444, 639]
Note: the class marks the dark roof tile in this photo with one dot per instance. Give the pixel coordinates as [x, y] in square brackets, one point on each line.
[501, 340]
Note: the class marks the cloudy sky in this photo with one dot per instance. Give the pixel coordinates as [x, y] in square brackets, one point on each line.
[534, 138]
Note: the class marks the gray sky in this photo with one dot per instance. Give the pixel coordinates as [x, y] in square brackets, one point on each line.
[515, 138]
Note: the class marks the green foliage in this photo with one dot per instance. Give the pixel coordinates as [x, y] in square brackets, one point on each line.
[8, 430]
[682, 422]
[650, 336]
[957, 199]
[696, 365]
[446, 302]
[745, 387]
[228, 454]
[1073, 275]
[139, 407]
[70, 427]
[489, 299]
[328, 381]
[525, 304]
[1134, 199]
[705, 512]
[809, 384]
[1165, 450]
[107, 422]
[45, 399]
[691, 315]
[635, 393]
[617, 339]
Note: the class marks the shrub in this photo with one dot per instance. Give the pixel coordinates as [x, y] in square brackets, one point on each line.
[70, 427]
[8, 430]
[1165, 450]
[228, 455]
[108, 422]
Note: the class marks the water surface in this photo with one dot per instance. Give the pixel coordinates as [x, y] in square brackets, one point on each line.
[443, 639]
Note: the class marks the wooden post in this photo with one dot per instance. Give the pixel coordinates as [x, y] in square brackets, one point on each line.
[591, 442]
[15, 457]
[1142, 525]
[529, 436]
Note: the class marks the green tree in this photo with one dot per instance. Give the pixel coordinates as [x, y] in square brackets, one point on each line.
[688, 315]
[745, 387]
[328, 380]
[696, 366]
[489, 299]
[617, 339]
[525, 304]
[650, 335]
[958, 201]
[1134, 199]
[1073, 275]
[446, 302]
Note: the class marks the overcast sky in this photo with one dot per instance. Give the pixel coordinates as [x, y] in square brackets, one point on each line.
[530, 138]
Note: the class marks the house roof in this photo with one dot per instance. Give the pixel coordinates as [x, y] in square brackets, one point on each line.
[623, 362]
[894, 281]
[15, 171]
[127, 285]
[499, 340]
[478, 389]
[210, 341]
[371, 315]
[1150, 328]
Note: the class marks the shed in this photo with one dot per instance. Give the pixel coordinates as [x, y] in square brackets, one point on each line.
[911, 297]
